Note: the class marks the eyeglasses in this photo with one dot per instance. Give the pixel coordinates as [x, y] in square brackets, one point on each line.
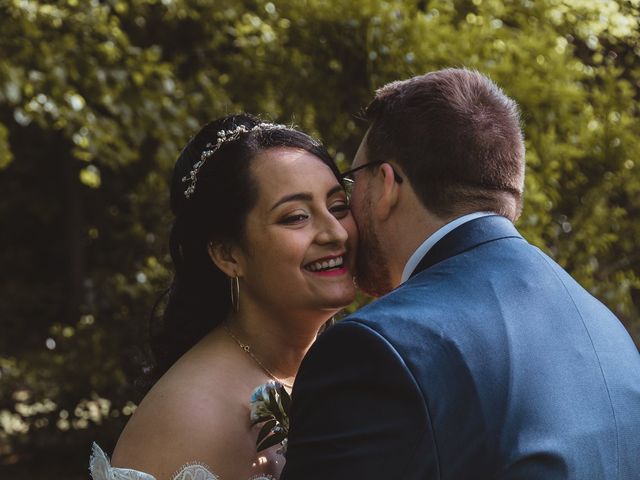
[348, 179]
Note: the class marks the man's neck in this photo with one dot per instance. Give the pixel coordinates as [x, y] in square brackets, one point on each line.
[421, 250]
[409, 235]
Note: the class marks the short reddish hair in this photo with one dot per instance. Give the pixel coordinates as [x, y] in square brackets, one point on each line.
[458, 138]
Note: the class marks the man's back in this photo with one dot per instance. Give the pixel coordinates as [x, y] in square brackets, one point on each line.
[522, 373]
[549, 371]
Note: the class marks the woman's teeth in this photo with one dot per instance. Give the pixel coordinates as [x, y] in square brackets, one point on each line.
[325, 264]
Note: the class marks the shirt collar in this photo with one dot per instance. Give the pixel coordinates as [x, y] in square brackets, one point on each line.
[422, 250]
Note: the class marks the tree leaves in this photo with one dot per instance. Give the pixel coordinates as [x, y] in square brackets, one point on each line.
[98, 98]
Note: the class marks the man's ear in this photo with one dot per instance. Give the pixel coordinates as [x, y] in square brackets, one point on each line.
[389, 192]
[224, 256]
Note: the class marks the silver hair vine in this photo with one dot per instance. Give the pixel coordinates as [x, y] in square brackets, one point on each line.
[211, 148]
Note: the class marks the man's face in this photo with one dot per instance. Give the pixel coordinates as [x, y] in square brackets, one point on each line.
[372, 270]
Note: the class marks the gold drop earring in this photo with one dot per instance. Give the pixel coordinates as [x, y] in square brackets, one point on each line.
[235, 293]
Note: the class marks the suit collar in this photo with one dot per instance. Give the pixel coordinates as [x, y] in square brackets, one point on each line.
[467, 236]
[432, 239]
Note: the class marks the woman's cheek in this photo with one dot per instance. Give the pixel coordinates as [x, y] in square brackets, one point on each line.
[349, 225]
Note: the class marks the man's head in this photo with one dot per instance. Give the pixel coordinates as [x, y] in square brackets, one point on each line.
[456, 137]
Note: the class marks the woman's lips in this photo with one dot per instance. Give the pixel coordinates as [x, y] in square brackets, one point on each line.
[328, 266]
[332, 272]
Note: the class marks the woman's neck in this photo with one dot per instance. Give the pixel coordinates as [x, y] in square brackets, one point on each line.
[277, 343]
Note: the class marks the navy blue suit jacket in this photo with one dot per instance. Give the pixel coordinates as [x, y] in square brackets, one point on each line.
[489, 362]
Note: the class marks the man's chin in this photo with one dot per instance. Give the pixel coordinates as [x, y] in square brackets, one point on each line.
[372, 272]
[373, 287]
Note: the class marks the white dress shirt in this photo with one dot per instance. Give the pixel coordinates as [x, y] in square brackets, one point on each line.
[422, 250]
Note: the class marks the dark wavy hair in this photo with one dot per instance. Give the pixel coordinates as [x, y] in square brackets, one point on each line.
[198, 298]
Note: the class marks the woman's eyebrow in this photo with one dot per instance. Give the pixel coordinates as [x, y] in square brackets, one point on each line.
[334, 190]
[307, 197]
[304, 196]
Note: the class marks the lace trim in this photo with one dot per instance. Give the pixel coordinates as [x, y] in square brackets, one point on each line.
[101, 469]
[194, 471]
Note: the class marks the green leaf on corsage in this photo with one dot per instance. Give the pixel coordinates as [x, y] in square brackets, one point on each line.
[270, 404]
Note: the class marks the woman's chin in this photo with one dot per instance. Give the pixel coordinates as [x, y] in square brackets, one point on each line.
[344, 299]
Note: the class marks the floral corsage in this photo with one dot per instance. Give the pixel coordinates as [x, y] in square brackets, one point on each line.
[270, 405]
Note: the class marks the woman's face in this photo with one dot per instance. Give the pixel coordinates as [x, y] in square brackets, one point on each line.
[299, 247]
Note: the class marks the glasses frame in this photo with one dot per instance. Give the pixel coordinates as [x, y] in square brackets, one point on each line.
[348, 180]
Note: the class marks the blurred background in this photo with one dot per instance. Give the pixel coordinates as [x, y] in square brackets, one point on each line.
[97, 97]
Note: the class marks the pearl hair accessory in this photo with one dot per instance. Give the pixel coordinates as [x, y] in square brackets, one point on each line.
[210, 149]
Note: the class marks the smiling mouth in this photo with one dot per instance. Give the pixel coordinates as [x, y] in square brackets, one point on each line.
[326, 265]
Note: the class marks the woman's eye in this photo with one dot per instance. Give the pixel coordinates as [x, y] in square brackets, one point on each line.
[339, 210]
[295, 218]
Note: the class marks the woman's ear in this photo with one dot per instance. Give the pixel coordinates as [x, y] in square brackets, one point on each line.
[223, 256]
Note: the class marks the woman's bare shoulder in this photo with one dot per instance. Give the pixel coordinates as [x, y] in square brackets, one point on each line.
[195, 413]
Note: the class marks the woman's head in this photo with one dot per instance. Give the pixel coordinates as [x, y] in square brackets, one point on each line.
[297, 247]
[223, 195]
[214, 203]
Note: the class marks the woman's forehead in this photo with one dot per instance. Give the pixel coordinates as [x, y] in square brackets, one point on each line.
[281, 170]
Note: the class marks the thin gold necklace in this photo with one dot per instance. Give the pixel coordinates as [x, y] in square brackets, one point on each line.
[246, 348]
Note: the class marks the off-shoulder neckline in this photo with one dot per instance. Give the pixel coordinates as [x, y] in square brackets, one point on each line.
[101, 469]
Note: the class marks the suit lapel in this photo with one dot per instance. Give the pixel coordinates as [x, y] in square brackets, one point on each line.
[467, 236]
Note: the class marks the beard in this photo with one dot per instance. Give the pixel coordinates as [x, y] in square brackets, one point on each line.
[372, 269]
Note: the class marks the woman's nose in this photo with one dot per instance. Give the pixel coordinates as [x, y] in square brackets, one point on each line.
[330, 230]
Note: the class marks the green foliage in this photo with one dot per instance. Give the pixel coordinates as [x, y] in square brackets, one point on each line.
[270, 405]
[97, 98]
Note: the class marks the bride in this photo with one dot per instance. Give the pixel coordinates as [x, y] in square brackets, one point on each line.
[263, 248]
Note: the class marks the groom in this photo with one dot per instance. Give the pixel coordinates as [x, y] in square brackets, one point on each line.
[483, 359]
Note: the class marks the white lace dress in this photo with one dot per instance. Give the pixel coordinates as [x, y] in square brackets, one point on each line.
[101, 469]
